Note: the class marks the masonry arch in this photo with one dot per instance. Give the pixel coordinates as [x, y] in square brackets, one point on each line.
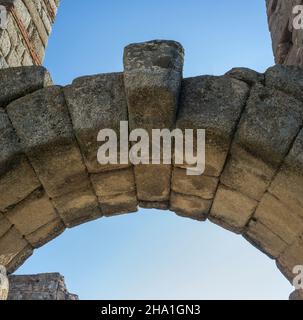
[50, 179]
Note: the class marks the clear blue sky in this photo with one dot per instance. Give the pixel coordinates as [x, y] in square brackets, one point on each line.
[155, 254]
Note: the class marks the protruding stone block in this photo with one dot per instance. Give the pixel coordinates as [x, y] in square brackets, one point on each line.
[20, 81]
[152, 77]
[214, 104]
[232, 209]
[96, 103]
[189, 206]
[42, 122]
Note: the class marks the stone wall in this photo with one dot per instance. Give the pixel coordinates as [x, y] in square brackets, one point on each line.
[252, 185]
[50, 286]
[24, 41]
[287, 41]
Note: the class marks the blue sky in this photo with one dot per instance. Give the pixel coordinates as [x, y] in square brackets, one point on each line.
[155, 254]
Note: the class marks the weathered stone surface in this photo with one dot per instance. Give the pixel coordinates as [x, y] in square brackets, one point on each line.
[247, 75]
[21, 81]
[288, 79]
[290, 258]
[46, 233]
[266, 131]
[96, 103]
[278, 218]
[153, 182]
[116, 191]
[14, 167]
[264, 239]
[42, 122]
[32, 213]
[152, 77]
[214, 104]
[288, 183]
[49, 286]
[232, 209]
[189, 206]
[287, 41]
[11, 245]
[5, 225]
[19, 259]
[200, 186]
[17, 183]
[246, 173]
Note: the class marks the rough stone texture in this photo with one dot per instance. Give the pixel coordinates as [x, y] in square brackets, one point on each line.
[152, 77]
[50, 179]
[21, 81]
[43, 124]
[29, 25]
[50, 286]
[287, 41]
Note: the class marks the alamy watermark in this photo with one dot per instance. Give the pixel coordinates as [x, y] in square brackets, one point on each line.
[137, 147]
[3, 17]
[298, 19]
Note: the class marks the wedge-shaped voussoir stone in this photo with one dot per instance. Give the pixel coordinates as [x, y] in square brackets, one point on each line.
[19, 259]
[11, 245]
[116, 191]
[200, 186]
[286, 78]
[153, 182]
[78, 207]
[17, 178]
[119, 204]
[20, 81]
[232, 209]
[288, 183]
[32, 213]
[272, 213]
[246, 173]
[5, 225]
[269, 124]
[46, 233]
[264, 239]
[189, 206]
[214, 104]
[152, 76]
[96, 103]
[291, 257]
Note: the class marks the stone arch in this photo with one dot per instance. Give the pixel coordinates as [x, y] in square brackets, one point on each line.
[50, 179]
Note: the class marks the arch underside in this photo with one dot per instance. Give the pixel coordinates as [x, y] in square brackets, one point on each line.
[50, 179]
